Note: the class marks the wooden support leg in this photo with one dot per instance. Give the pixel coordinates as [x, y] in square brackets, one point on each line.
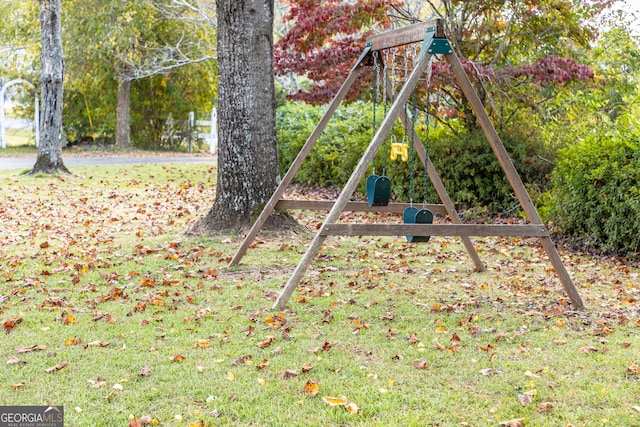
[512, 176]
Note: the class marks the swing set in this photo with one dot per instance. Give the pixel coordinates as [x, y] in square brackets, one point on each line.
[418, 223]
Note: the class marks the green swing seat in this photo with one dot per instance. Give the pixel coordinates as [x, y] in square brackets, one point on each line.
[413, 215]
[378, 190]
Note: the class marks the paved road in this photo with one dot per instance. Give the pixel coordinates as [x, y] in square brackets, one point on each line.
[70, 162]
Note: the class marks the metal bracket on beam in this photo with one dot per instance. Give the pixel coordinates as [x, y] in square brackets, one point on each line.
[440, 46]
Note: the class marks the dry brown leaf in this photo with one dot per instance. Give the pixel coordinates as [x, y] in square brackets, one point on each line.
[242, 360]
[16, 361]
[146, 419]
[420, 364]
[311, 388]
[10, 324]
[267, 341]
[263, 364]
[18, 385]
[519, 422]
[289, 373]
[545, 407]
[278, 350]
[633, 369]
[306, 368]
[31, 348]
[352, 408]
[526, 398]
[199, 423]
[72, 341]
[488, 372]
[177, 358]
[587, 349]
[63, 364]
[145, 372]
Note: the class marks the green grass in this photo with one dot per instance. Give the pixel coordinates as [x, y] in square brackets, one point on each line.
[101, 257]
[20, 138]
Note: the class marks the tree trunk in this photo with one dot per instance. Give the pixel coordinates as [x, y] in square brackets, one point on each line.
[123, 114]
[247, 156]
[51, 82]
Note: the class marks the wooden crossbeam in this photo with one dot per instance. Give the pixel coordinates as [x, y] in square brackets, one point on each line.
[406, 35]
[350, 229]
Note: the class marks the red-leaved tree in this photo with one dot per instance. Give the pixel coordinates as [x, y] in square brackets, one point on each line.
[513, 48]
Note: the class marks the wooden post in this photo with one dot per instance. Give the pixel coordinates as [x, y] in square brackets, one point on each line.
[512, 176]
[357, 175]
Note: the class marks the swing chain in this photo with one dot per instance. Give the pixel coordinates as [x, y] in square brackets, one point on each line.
[376, 97]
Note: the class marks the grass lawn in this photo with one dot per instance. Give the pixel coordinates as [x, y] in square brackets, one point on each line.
[110, 310]
[20, 138]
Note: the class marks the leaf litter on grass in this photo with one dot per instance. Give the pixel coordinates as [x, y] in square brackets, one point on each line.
[103, 258]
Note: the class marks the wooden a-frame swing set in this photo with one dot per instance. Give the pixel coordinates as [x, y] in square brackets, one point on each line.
[434, 42]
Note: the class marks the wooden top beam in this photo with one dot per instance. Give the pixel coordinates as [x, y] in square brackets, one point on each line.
[406, 35]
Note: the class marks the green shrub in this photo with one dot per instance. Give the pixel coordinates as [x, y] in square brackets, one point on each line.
[466, 164]
[473, 176]
[596, 189]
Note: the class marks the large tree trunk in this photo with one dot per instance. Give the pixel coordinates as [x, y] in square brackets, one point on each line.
[123, 114]
[51, 82]
[247, 156]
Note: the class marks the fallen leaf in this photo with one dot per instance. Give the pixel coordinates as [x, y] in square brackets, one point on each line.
[18, 385]
[352, 408]
[545, 407]
[488, 372]
[513, 423]
[69, 320]
[311, 388]
[146, 419]
[278, 350]
[63, 364]
[587, 349]
[242, 360]
[177, 358]
[31, 348]
[10, 324]
[455, 339]
[16, 361]
[72, 341]
[199, 423]
[420, 364]
[335, 401]
[267, 341]
[633, 369]
[263, 364]
[289, 373]
[202, 343]
[118, 387]
[306, 368]
[526, 398]
[230, 376]
[145, 372]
